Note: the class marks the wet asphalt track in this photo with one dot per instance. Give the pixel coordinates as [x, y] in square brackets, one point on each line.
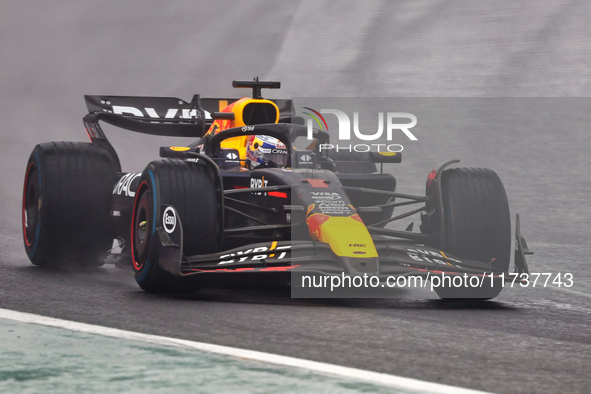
[527, 340]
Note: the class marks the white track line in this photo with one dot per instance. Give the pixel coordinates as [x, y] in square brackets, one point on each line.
[324, 368]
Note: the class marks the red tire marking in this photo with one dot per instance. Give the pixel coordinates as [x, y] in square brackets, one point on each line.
[137, 196]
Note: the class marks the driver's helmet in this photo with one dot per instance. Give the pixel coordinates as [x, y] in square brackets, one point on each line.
[263, 149]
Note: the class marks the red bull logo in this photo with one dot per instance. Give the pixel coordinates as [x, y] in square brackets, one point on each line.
[346, 235]
[315, 222]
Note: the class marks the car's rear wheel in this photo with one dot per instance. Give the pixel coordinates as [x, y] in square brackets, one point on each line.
[66, 204]
[191, 189]
[477, 224]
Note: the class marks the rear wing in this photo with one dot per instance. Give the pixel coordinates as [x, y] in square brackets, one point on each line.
[166, 116]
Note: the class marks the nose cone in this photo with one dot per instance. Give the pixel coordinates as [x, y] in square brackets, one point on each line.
[347, 236]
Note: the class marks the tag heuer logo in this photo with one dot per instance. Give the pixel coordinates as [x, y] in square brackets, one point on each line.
[232, 156]
[305, 159]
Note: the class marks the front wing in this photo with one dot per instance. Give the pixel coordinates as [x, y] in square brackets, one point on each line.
[395, 258]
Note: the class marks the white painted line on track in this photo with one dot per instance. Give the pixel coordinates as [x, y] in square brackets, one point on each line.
[324, 368]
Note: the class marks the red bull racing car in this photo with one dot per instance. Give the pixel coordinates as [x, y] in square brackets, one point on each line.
[242, 200]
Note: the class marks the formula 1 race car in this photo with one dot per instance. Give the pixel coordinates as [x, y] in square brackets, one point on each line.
[242, 199]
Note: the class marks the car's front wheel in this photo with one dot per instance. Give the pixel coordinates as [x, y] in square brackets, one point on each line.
[191, 189]
[477, 225]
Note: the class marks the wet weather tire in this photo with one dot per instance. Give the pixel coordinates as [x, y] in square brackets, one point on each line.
[477, 224]
[191, 189]
[66, 204]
